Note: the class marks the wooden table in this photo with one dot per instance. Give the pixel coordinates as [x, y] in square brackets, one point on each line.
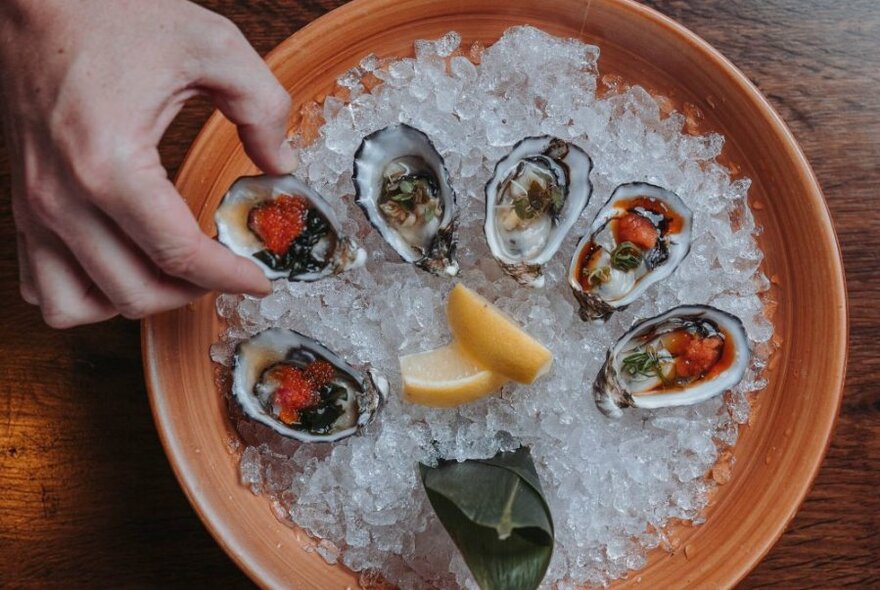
[87, 498]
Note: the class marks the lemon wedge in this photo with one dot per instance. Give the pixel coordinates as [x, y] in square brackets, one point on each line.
[492, 339]
[445, 377]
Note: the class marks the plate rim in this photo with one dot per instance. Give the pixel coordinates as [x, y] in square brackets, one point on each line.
[215, 524]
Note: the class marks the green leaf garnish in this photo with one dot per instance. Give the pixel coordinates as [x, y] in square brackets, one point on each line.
[626, 256]
[497, 516]
[407, 186]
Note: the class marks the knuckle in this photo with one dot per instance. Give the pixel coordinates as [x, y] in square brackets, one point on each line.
[269, 107]
[58, 317]
[45, 205]
[178, 259]
[95, 170]
[226, 35]
[278, 103]
[134, 306]
[28, 294]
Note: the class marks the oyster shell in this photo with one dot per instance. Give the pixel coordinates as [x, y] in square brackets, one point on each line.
[535, 196]
[402, 185]
[338, 405]
[300, 238]
[682, 357]
[639, 237]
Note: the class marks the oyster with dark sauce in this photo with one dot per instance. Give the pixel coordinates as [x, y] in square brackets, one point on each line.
[639, 237]
[685, 356]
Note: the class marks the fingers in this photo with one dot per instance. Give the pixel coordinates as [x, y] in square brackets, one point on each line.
[245, 90]
[125, 276]
[25, 277]
[159, 221]
[67, 297]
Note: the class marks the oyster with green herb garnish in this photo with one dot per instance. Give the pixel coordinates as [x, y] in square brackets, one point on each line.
[684, 356]
[286, 228]
[403, 187]
[534, 198]
[638, 238]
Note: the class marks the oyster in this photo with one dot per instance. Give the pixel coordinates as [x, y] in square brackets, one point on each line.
[287, 228]
[402, 185]
[682, 357]
[533, 199]
[301, 390]
[638, 238]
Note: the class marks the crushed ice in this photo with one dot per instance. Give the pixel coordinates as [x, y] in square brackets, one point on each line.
[612, 485]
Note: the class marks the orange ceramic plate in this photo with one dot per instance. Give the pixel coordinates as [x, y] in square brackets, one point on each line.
[778, 454]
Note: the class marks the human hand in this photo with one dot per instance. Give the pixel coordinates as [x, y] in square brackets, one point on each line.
[89, 88]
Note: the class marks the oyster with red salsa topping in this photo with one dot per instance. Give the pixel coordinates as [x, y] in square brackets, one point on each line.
[287, 228]
[402, 185]
[535, 196]
[302, 390]
[639, 237]
[682, 357]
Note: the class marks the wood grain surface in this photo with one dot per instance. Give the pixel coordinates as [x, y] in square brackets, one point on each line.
[87, 498]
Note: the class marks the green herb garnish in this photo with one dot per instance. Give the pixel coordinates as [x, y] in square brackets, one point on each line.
[538, 200]
[647, 363]
[406, 194]
[402, 197]
[626, 256]
[522, 209]
[597, 276]
[319, 419]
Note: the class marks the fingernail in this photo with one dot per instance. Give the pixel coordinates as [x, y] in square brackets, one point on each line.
[264, 289]
[288, 158]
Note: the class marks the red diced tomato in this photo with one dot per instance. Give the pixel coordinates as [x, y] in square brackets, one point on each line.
[637, 229]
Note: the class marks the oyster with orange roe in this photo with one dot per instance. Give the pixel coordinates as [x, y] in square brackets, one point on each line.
[639, 237]
[685, 356]
[302, 390]
[286, 228]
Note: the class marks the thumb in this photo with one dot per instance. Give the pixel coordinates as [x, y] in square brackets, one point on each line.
[243, 87]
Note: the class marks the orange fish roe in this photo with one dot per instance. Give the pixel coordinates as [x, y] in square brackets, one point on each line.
[294, 392]
[694, 355]
[279, 222]
[637, 229]
[320, 373]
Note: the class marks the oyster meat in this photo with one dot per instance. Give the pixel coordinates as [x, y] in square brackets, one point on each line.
[682, 357]
[402, 185]
[286, 228]
[535, 196]
[639, 237]
[301, 390]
